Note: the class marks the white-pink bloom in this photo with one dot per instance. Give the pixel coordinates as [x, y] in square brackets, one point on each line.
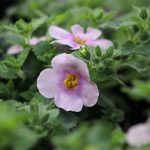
[35, 40]
[139, 135]
[77, 37]
[68, 82]
[15, 49]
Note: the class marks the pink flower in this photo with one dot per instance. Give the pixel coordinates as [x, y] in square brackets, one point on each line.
[68, 82]
[139, 135]
[36, 40]
[78, 37]
[15, 49]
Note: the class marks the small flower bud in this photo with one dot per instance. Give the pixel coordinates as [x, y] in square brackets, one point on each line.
[34, 108]
[109, 51]
[45, 118]
[143, 14]
[98, 51]
[135, 28]
[100, 16]
[96, 60]
[20, 25]
[144, 37]
[84, 53]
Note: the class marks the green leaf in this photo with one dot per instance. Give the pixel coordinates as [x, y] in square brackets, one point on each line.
[44, 51]
[139, 91]
[36, 23]
[23, 55]
[9, 68]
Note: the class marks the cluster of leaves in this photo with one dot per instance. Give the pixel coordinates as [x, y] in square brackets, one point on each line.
[122, 73]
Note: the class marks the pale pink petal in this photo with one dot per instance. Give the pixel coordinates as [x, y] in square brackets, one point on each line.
[68, 42]
[77, 46]
[103, 43]
[139, 135]
[47, 83]
[92, 33]
[15, 49]
[58, 33]
[89, 93]
[68, 102]
[35, 40]
[68, 62]
[77, 30]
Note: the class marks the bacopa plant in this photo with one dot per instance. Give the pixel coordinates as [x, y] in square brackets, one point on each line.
[75, 75]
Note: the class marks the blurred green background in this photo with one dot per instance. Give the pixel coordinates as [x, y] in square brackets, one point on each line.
[29, 121]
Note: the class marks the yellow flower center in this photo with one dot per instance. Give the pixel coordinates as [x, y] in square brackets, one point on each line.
[71, 81]
[79, 40]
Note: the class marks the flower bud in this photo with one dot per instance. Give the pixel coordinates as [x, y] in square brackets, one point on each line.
[84, 53]
[100, 16]
[98, 51]
[144, 37]
[109, 51]
[135, 28]
[143, 14]
[96, 60]
[45, 117]
[34, 108]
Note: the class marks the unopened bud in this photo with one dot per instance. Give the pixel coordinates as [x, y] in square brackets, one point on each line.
[144, 37]
[143, 14]
[84, 53]
[135, 28]
[98, 51]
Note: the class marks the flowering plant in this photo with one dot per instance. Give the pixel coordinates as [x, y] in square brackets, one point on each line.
[75, 75]
[78, 38]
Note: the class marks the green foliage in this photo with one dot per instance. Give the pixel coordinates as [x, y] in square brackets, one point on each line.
[101, 136]
[13, 134]
[10, 68]
[44, 51]
[139, 91]
[29, 121]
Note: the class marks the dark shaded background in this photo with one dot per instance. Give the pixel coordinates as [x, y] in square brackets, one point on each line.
[4, 4]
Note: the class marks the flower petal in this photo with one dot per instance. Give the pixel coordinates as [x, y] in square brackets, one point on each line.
[68, 102]
[15, 49]
[58, 33]
[89, 93]
[103, 43]
[77, 46]
[68, 42]
[139, 135]
[92, 33]
[77, 30]
[35, 40]
[69, 62]
[47, 83]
